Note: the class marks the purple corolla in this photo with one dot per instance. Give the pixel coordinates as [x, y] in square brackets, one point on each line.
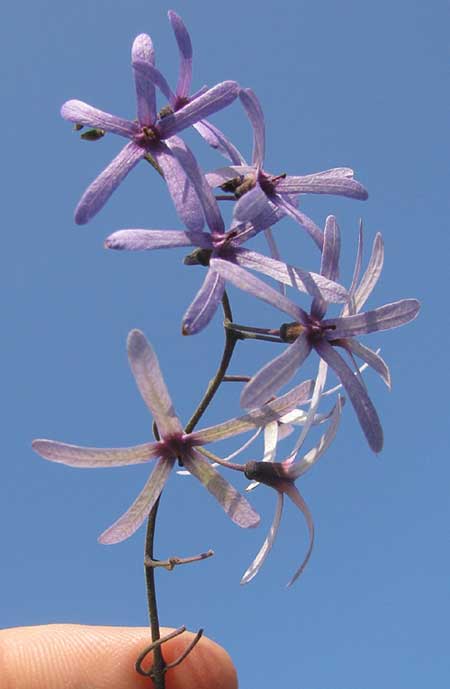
[174, 444]
[257, 189]
[150, 135]
[313, 331]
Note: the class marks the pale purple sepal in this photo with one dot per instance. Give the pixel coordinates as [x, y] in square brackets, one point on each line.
[362, 404]
[81, 113]
[197, 109]
[235, 505]
[150, 382]
[266, 547]
[249, 283]
[185, 47]
[204, 305]
[146, 240]
[383, 318]
[129, 522]
[97, 194]
[338, 181]
[217, 140]
[142, 53]
[256, 117]
[275, 374]
[88, 457]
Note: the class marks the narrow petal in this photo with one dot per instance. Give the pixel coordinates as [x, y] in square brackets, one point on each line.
[97, 194]
[87, 457]
[338, 181]
[274, 253]
[204, 305]
[197, 109]
[383, 318]
[155, 78]
[82, 113]
[249, 283]
[224, 174]
[303, 280]
[143, 59]
[329, 266]
[362, 404]
[255, 115]
[250, 205]
[275, 374]
[260, 416]
[371, 358]
[266, 547]
[150, 382]
[198, 181]
[237, 507]
[147, 240]
[181, 189]
[350, 308]
[297, 499]
[311, 228]
[217, 140]
[185, 47]
[371, 275]
[129, 522]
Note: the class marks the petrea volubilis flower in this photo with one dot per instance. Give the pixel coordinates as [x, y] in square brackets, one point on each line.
[313, 331]
[149, 135]
[257, 189]
[174, 444]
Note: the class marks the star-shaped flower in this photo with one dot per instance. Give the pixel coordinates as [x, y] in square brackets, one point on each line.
[150, 134]
[174, 444]
[312, 331]
[257, 190]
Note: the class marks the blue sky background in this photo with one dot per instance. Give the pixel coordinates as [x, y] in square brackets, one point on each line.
[341, 83]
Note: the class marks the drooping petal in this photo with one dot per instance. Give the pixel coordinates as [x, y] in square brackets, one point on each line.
[97, 194]
[297, 499]
[260, 416]
[373, 359]
[383, 318]
[204, 305]
[198, 180]
[266, 547]
[250, 205]
[255, 114]
[329, 266]
[249, 283]
[217, 140]
[147, 240]
[275, 374]
[180, 187]
[338, 181]
[143, 59]
[362, 404]
[81, 113]
[185, 47]
[197, 109]
[237, 507]
[150, 382]
[129, 522]
[311, 228]
[370, 277]
[87, 457]
[311, 283]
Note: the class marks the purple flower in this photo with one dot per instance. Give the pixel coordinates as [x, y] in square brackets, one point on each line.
[150, 135]
[257, 190]
[282, 476]
[174, 444]
[313, 331]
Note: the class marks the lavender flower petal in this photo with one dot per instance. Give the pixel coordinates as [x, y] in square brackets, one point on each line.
[329, 266]
[217, 140]
[297, 499]
[383, 318]
[97, 194]
[129, 522]
[370, 277]
[373, 359]
[311, 228]
[143, 59]
[275, 374]
[87, 457]
[362, 404]
[338, 181]
[185, 47]
[224, 174]
[266, 547]
[81, 113]
[350, 309]
[237, 507]
[250, 205]
[204, 305]
[145, 240]
[155, 78]
[255, 114]
[150, 382]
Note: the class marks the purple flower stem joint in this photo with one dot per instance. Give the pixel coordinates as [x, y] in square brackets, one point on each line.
[261, 200]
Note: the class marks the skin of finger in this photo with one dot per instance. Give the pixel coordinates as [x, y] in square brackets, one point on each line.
[90, 657]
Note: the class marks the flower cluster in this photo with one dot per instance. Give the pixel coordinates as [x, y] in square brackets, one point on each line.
[260, 201]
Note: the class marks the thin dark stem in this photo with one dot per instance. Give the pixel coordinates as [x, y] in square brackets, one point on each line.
[236, 379]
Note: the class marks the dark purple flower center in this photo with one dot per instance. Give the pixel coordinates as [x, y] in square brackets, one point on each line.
[176, 445]
[314, 330]
[268, 182]
[148, 136]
